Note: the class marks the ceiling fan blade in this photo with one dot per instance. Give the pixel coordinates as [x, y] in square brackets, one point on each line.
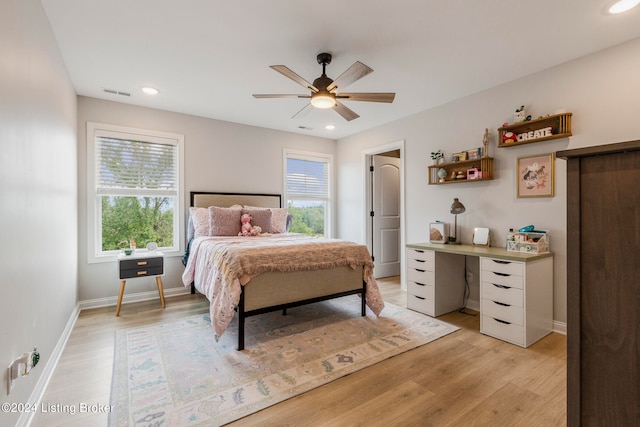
[287, 72]
[368, 96]
[357, 71]
[279, 95]
[345, 112]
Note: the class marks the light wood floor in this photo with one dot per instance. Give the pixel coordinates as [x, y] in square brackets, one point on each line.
[462, 379]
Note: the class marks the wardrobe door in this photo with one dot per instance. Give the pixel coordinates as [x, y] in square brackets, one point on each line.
[603, 289]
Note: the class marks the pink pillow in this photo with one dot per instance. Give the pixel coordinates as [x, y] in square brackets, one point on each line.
[199, 219]
[279, 220]
[224, 221]
[260, 218]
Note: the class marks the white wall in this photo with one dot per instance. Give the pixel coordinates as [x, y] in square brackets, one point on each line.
[219, 156]
[38, 193]
[602, 92]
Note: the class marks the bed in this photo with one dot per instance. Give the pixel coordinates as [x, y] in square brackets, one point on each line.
[248, 276]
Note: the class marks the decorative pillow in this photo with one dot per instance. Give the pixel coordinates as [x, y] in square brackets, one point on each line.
[260, 218]
[199, 220]
[224, 221]
[279, 220]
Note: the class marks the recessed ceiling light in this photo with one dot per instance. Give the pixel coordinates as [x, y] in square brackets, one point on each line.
[623, 6]
[330, 127]
[150, 90]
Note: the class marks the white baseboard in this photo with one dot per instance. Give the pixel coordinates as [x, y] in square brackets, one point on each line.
[137, 297]
[560, 327]
[49, 367]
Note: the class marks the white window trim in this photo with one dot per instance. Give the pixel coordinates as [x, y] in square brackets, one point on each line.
[94, 223]
[315, 156]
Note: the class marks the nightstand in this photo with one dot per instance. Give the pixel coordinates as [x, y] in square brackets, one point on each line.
[144, 264]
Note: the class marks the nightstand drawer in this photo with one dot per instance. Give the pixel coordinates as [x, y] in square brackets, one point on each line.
[141, 267]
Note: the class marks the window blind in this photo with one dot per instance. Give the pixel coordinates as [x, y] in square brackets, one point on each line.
[307, 179]
[130, 167]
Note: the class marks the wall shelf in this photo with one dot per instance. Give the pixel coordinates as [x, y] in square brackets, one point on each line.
[537, 130]
[484, 164]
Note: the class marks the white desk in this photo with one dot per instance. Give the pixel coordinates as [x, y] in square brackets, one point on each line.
[516, 288]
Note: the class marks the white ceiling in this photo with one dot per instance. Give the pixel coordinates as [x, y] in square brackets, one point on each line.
[208, 57]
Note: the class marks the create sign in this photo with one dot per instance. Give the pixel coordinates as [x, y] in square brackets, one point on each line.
[535, 134]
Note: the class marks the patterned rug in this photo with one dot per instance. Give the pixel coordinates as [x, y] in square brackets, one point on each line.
[175, 374]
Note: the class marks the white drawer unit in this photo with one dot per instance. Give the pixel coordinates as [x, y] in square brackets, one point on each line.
[430, 290]
[516, 299]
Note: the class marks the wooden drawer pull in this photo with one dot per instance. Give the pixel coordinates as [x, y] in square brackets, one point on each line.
[141, 273]
[142, 262]
[501, 286]
[502, 304]
[502, 321]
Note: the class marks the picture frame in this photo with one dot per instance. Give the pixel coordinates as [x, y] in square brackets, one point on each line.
[535, 175]
[438, 232]
[462, 156]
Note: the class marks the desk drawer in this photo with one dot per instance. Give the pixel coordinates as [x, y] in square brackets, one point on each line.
[421, 304]
[420, 254]
[141, 267]
[502, 330]
[505, 295]
[501, 266]
[502, 279]
[498, 310]
[419, 276]
[420, 289]
[419, 264]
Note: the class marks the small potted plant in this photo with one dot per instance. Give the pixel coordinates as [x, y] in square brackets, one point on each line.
[437, 156]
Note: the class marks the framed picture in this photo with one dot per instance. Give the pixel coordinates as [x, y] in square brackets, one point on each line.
[535, 175]
[461, 156]
[438, 232]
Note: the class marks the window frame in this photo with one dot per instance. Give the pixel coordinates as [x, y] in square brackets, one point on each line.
[317, 157]
[95, 254]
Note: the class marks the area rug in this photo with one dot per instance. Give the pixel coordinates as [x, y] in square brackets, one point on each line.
[175, 374]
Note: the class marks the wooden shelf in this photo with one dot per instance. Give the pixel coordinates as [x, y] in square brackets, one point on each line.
[528, 132]
[484, 164]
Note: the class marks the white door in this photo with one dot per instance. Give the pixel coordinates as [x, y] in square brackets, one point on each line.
[386, 216]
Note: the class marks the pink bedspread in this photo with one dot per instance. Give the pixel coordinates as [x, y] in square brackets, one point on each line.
[219, 266]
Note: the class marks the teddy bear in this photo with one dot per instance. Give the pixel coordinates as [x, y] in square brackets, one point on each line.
[247, 229]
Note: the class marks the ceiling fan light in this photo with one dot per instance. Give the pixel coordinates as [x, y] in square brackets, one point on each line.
[623, 5]
[323, 101]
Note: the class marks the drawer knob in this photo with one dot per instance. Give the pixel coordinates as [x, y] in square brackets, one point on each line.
[142, 263]
[142, 273]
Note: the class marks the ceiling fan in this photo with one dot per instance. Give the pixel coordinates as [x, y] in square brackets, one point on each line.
[324, 91]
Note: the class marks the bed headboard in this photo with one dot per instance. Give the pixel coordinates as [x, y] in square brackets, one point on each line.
[205, 199]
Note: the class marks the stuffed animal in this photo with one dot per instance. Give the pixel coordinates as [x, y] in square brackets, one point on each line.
[509, 137]
[247, 229]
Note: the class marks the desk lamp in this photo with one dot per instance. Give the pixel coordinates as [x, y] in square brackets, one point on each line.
[456, 208]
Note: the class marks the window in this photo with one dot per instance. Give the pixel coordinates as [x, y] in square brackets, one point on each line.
[308, 192]
[134, 180]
